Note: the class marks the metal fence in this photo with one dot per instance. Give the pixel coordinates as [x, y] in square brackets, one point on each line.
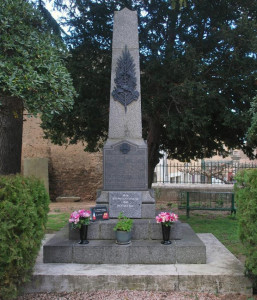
[204, 172]
[192, 200]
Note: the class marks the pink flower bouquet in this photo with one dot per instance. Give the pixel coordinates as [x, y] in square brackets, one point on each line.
[166, 218]
[79, 218]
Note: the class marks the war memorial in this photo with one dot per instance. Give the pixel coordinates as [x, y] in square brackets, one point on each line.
[125, 187]
[188, 263]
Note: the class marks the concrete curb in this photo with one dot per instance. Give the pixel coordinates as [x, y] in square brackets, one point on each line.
[223, 273]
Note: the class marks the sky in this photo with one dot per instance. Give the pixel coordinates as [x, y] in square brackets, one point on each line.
[55, 13]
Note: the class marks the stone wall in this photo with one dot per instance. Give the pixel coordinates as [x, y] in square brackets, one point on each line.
[72, 171]
[170, 193]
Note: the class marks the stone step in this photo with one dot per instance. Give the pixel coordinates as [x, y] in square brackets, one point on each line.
[143, 229]
[68, 199]
[189, 249]
[222, 274]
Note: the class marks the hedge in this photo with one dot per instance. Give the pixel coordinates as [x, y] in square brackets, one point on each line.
[24, 204]
[246, 199]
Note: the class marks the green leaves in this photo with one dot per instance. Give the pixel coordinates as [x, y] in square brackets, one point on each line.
[178, 3]
[198, 71]
[32, 60]
[246, 197]
[124, 223]
[23, 215]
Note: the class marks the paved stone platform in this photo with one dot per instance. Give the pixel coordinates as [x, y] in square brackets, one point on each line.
[222, 273]
[186, 247]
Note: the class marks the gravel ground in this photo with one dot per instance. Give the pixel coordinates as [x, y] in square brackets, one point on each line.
[134, 295]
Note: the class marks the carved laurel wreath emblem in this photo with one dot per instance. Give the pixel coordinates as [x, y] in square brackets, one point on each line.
[125, 91]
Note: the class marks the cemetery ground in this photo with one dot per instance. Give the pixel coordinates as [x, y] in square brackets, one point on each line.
[220, 224]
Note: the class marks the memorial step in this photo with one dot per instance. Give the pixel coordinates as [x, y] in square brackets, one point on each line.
[143, 229]
[189, 250]
[222, 273]
[68, 199]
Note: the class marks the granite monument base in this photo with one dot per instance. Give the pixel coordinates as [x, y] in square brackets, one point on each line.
[146, 247]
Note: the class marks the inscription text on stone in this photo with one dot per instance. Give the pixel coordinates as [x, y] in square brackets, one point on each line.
[130, 203]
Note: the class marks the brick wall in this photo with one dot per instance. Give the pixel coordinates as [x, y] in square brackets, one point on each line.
[72, 171]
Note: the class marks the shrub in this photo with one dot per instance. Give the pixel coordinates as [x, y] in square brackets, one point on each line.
[124, 223]
[246, 199]
[23, 215]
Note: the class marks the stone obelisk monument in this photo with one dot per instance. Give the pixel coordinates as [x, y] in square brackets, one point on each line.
[125, 178]
[125, 187]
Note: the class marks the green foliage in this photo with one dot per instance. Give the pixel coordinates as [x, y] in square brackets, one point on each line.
[124, 223]
[56, 222]
[157, 193]
[23, 216]
[252, 131]
[198, 72]
[32, 60]
[246, 198]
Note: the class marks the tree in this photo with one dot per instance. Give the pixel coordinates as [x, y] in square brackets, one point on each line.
[252, 131]
[198, 65]
[33, 76]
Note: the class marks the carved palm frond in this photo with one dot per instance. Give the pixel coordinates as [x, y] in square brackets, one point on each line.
[126, 82]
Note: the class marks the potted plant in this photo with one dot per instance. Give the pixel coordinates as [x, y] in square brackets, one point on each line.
[166, 219]
[81, 219]
[123, 230]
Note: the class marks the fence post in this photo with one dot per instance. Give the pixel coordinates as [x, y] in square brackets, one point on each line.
[211, 172]
[163, 172]
[187, 204]
[233, 210]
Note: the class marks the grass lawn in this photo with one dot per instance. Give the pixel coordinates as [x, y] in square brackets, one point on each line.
[56, 222]
[224, 228]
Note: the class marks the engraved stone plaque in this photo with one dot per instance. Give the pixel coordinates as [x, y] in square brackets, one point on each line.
[125, 170]
[130, 203]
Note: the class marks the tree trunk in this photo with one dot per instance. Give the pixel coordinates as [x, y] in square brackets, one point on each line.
[153, 142]
[11, 123]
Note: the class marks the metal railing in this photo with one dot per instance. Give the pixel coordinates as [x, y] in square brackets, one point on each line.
[215, 201]
[204, 172]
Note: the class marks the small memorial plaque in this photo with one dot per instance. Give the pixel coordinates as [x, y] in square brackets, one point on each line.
[99, 213]
[130, 203]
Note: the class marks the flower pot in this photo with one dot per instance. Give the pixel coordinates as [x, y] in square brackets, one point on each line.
[83, 235]
[166, 235]
[123, 237]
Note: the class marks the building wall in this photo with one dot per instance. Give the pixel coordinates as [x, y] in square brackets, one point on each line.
[72, 171]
